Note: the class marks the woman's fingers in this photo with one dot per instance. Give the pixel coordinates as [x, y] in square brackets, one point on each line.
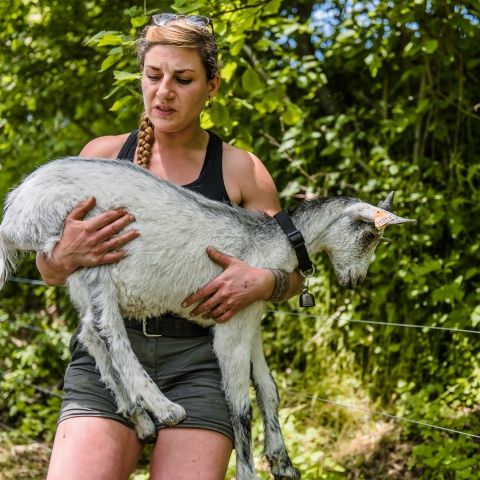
[107, 218]
[220, 314]
[111, 257]
[94, 241]
[112, 228]
[81, 209]
[203, 293]
[98, 221]
[116, 242]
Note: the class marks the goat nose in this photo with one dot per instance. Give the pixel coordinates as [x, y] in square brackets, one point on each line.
[350, 279]
[354, 279]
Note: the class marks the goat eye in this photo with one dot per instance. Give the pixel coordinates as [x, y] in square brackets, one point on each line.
[369, 236]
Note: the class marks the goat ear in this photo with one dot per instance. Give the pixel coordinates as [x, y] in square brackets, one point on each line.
[387, 204]
[382, 218]
[376, 215]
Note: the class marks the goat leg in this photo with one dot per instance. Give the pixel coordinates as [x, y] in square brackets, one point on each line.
[232, 347]
[268, 400]
[109, 325]
[144, 424]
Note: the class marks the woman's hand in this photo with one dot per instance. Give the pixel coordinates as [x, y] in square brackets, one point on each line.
[235, 288]
[87, 243]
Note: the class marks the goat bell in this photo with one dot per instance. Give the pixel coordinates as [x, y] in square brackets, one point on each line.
[306, 299]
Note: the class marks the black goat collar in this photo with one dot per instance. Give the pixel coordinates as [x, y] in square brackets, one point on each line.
[296, 239]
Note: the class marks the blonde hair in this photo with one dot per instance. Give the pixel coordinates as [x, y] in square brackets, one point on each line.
[178, 33]
[181, 33]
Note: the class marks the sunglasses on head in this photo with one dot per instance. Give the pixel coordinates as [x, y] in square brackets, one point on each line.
[162, 19]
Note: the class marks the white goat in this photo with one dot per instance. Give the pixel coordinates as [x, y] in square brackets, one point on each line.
[166, 263]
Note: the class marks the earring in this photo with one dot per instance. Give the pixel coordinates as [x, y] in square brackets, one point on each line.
[208, 103]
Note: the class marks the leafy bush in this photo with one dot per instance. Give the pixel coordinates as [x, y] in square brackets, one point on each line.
[337, 98]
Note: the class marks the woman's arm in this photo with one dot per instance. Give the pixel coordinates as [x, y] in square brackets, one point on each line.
[240, 285]
[249, 184]
[91, 242]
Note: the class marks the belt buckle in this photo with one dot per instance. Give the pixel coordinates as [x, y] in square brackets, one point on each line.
[145, 332]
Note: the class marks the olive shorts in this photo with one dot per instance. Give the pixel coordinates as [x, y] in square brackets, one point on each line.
[185, 369]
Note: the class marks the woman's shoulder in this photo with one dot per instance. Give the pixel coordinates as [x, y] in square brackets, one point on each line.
[238, 158]
[244, 164]
[248, 181]
[104, 147]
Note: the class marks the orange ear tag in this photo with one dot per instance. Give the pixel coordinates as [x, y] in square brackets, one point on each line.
[381, 219]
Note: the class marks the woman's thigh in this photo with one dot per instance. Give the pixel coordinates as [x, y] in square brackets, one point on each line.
[93, 448]
[190, 453]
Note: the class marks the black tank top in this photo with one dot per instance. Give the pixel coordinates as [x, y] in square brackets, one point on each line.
[209, 183]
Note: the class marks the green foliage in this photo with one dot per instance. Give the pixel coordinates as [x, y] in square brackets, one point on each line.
[34, 346]
[443, 458]
[338, 98]
[53, 89]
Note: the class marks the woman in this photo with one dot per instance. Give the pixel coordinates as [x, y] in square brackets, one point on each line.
[178, 60]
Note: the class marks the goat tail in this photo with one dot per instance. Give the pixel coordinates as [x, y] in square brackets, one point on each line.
[6, 261]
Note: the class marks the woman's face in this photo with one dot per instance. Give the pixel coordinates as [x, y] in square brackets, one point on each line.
[175, 87]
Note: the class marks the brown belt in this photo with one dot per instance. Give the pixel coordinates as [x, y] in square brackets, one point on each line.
[167, 325]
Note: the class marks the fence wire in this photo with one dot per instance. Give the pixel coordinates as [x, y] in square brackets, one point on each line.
[349, 406]
[306, 315]
[384, 324]
[381, 413]
[27, 280]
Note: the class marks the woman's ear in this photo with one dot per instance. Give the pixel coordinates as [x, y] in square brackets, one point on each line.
[213, 86]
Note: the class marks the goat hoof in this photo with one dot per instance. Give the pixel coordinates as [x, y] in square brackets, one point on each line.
[289, 474]
[144, 425]
[295, 475]
[172, 415]
[282, 468]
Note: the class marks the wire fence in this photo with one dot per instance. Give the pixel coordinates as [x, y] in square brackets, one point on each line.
[28, 281]
[425, 328]
[381, 413]
[348, 406]
[384, 324]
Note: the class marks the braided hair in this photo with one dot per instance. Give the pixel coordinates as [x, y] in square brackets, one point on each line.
[145, 139]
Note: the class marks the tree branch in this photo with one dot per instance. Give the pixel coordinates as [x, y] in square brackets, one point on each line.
[242, 7]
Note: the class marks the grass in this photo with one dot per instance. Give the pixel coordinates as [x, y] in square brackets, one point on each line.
[22, 461]
[325, 442]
